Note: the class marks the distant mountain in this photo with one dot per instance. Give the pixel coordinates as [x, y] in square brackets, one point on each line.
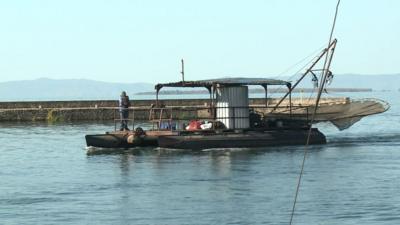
[382, 82]
[340, 83]
[81, 89]
[67, 89]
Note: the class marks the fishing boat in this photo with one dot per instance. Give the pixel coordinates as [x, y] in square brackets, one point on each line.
[227, 120]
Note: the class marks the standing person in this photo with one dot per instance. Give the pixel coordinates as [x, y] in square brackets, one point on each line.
[124, 104]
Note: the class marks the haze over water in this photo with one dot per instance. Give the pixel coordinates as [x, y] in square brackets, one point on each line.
[47, 178]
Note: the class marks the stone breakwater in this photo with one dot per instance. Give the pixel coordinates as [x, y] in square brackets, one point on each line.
[101, 110]
[105, 110]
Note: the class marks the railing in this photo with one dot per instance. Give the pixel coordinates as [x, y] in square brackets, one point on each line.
[173, 118]
[123, 119]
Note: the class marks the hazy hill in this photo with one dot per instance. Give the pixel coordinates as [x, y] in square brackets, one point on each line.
[80, 89]
[68, 89]
[376, 82]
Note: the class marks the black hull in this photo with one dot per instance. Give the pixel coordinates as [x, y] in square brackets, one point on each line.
[118, 140]
[242, 140]
[198, 141]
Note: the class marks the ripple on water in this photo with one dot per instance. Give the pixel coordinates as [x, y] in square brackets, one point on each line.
[46, 177]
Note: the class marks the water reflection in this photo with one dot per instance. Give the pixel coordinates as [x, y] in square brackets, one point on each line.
[355, 173]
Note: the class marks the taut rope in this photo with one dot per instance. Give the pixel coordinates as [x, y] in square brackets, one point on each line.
[327, 64]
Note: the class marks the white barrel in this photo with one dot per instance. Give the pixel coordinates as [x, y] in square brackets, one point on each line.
[232, 106]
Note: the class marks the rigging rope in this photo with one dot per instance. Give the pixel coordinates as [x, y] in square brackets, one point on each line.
[300, 62]
[279, 89]
[326, 67]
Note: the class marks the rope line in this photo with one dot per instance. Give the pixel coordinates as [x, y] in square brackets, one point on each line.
[279, 89]
[301, 61]
[321, 88]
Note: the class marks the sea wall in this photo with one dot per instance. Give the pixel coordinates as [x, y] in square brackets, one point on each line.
[94, 103]
[55, 111]
[101, 110]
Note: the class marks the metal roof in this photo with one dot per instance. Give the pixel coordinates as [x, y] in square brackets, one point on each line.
[224, 82]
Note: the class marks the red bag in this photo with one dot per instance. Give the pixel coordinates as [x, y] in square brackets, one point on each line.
[194, 125]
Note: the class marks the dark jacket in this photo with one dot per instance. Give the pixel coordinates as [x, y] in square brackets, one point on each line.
[124, 103]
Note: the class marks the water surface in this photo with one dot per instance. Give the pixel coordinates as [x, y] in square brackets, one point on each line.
[47, 178]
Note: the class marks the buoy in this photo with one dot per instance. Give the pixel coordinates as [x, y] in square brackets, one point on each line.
[130, 139]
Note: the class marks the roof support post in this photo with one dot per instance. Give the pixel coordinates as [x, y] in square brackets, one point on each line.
[289, 86]
[266, 94]
[157, 91]
[214, 101]
[209, 88]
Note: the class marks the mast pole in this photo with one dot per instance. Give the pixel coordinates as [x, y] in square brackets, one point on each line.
[183, 71]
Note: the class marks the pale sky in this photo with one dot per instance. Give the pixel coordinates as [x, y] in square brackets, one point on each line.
[143, 41]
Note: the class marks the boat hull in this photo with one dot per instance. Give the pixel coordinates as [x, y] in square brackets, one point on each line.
[117, 141]
[242, 140]
[125, 139]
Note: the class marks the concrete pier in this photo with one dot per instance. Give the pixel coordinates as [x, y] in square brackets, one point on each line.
[103, 110]
[59, 111]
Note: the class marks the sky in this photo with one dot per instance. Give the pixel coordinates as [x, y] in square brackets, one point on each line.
[144, 41]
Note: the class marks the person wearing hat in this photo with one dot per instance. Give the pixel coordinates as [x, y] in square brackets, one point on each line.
[124, 105]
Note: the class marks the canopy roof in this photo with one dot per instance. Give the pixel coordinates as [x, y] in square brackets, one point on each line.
[224, 82]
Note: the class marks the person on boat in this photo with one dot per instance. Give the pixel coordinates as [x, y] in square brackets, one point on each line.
[124, 105]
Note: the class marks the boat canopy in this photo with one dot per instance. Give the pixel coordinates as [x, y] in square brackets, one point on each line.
[224, 82]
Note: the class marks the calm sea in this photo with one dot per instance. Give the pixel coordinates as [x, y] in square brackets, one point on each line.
[47, 178]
